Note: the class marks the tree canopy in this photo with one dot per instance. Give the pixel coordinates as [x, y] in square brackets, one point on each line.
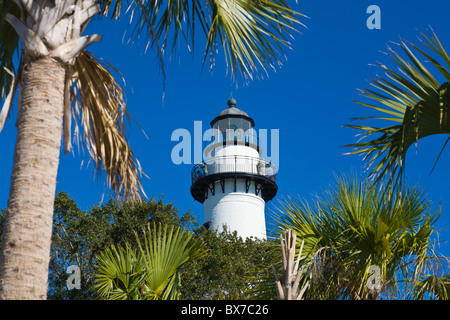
[79, 237]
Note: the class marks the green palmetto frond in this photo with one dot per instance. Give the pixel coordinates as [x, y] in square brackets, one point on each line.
[433, 287]
[120, 274]
[152, 271]
[410, 97]
[98, 105]
[354, 226]
[166, 249]
[252, 33]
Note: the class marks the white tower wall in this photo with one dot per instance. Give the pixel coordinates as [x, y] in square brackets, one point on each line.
[240, 211]
[235, 203]
[241, 150]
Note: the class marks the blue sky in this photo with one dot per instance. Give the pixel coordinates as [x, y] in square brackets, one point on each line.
[308, 100]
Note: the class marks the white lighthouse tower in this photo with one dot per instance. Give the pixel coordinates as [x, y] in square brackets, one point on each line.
[234, 182]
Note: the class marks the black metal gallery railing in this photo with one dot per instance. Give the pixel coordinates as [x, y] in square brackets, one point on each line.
[234, 164]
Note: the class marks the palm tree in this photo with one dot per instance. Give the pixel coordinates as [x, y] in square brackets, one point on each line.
[360, 241]
[152, 272]
[434, 286]
[59, 81]
[292, 273]
[411, 100]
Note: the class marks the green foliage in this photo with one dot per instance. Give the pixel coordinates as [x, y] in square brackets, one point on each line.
[412, 103]
[435, 287]
[231, 270]
[120, 274]
[231, 267]
[349, 228]
[151, 272]
[78, 237]
[251, 33]
[354, 226]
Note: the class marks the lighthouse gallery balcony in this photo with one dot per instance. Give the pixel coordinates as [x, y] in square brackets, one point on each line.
[219, 168]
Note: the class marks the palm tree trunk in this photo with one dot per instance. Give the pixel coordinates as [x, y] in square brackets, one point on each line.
[26, 242]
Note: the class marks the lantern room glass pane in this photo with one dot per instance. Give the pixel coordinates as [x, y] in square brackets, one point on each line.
[233, 129]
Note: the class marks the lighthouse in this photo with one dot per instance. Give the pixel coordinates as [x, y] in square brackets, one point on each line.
[234, 182]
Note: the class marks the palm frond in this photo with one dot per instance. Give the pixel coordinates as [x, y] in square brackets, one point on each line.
[355, 225]
[152, 271]
[418, 100]
[98, 105]
[9, 49]
[433, 287]
[120, 274]
[252, 33]
[111, 7]
[9, 43]
[166, 249]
